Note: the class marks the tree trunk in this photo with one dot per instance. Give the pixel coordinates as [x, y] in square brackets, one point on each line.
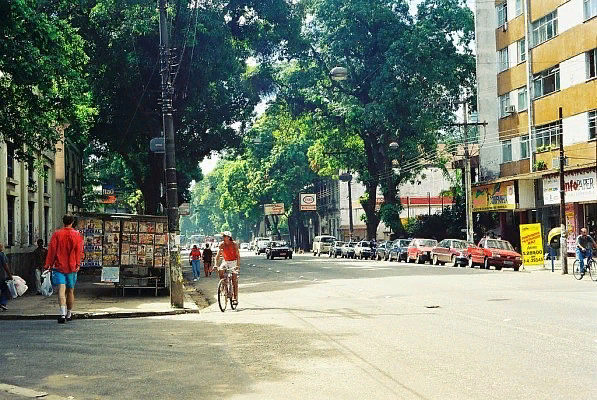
[369, 207]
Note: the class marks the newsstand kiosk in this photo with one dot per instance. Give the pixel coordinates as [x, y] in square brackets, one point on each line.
[131, 250]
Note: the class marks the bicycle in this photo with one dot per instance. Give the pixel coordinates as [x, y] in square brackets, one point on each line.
[590, 266]
[226, 290]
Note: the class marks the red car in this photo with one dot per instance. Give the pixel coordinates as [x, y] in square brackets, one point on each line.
[452, 251]
[498, 253]
[419, 250]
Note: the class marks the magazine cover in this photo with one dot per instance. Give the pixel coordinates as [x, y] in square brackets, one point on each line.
[131, 226]
[125, 248]
[146, 238]
[161, 239]
[157, 261]
[133, 248]
[159, 227]
[124, 259]
[112, 238]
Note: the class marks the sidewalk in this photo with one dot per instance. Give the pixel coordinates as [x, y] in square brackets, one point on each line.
[94, 300]
[547, 266]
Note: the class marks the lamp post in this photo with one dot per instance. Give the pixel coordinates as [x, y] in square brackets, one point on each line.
[346, 177]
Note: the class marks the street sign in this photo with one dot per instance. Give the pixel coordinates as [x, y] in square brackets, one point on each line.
[157, 145]
[308, 202]
[184, 209]
[274, 209]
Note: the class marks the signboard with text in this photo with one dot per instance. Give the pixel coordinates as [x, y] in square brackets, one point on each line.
[494, 197]
[274, 209]
[184, 209]
[578, 185]
[532, 244]
[308, 202]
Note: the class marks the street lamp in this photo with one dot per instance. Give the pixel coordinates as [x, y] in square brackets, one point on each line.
[346, 177]
[339, 73]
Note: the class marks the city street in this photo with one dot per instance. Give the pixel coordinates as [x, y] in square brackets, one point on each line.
[321, 328]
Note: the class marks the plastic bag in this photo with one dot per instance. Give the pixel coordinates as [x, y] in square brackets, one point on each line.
[46, 284]
[20, 285]
[12, 289]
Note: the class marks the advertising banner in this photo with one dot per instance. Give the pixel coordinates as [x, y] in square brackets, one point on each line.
[308, 202]
[571, 228]
[578, 185]
[532, 244]
[494, 197]
[274, 209]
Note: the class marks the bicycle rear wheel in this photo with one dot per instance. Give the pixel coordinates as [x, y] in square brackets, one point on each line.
[593, 270]
[222, 295]
[576, 270]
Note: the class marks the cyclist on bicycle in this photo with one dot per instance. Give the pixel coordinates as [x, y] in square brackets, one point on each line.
[584, 242]
[229, 252]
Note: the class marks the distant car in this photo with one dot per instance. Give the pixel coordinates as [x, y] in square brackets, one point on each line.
[336, 249]
[419, 250]
[398, 250]
[322, 244]
[363, 249]
[278, 249]
[383, 251]
[261, 245]
[348, 250]
[453, 251]
[244, 246]
[497, 253]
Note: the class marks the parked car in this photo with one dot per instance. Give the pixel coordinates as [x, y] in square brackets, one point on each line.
[322, 244]
[336, 249]
[453, 251]
[262, 244]
[497, 253]
[363, 249]
[348, 250]
[383, 251]
[419, 250]
[278, 249]
[244, 246]
[399, 249]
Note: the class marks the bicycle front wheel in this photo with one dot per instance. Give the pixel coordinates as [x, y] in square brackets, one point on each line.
[222, 295]
[576, 270]
[593, 270]
[231, 294]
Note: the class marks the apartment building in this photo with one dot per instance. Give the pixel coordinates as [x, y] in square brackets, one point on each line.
[537, 78]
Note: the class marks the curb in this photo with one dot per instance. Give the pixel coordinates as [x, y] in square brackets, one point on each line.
[100, 315]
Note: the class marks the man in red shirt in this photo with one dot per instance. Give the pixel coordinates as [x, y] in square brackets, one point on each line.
[65, 254]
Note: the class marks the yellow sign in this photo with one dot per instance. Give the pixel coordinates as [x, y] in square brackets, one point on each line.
[497, 196]
[532, 244]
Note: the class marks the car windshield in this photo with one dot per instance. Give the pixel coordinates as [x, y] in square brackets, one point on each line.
[365, 244]
[338, 243]
[499, 244]
[403, 243]
[427, 242]
[351, 244]
[459, 244]
[279, 244]
[327, 239]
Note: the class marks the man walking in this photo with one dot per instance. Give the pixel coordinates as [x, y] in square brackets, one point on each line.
[39, 260]
[65, 254]
[207, 257]
[5, 275]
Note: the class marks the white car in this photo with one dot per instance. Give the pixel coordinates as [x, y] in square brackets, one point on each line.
[261, 246]
[244, 246]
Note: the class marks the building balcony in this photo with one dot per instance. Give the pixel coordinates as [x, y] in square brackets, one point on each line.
[514, 168]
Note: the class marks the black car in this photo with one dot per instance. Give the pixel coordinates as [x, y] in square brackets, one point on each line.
[278, 249]
[382, 251]
[348, 250]
[398, 250]
[336, 249]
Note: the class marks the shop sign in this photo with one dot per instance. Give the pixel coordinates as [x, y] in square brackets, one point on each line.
[110, 274]
[274, 209]
[308, 202]
[532, 244]
[494, 197]
[571, 228]
[579, 186]
[184, 209]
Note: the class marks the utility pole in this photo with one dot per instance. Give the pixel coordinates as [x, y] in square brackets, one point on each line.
[347, 177]
[467, 179]
[563, 230]
[176, 290]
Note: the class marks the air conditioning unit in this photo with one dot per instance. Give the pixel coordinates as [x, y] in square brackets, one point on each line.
[510, 110]
[555, 162]
[505, 26]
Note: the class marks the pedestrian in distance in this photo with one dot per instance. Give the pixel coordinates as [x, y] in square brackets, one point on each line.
[195, 261]
[65, 254]
[207, 257]
[5, 275]
[39, 260]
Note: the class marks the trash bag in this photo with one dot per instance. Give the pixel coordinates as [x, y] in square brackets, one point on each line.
[20, 285]
[46, 284]
[12, 289]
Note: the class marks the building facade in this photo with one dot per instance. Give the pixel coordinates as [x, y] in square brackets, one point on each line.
[536, 71]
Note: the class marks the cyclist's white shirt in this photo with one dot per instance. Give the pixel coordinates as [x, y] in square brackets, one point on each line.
[233, 265]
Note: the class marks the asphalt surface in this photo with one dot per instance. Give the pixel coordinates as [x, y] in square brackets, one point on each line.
[319, 328]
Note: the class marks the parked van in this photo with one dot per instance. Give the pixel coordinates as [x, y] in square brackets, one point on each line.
[322, 244]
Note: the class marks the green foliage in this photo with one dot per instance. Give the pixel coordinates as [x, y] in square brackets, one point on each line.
[539, 165]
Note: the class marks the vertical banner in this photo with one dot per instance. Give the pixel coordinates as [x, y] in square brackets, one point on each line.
[532, 244]
[571, 228]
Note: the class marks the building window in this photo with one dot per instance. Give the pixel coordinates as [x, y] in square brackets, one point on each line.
[10, 200]
[524, 147]
[46, 172]
[546, 81]
[503, 59]
[504, 103]
[31, 176]
[519, 7]
[522, 99]
[10, 160]
[31, 221]
[521, 45]
[46, 222]
[547, 137]
[591, 64]
[506, 151]
[592, 124]
[590, 8]
[545, 28]
[502, 13]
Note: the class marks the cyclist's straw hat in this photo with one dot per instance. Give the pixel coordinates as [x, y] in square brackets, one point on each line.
[227, 233]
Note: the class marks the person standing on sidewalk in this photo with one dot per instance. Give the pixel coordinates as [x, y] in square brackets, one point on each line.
[207, 257]
[65, 255]
[5, 275]
[39, 260]
[195, 261]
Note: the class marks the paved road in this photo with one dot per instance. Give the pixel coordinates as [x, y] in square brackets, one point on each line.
[318, 328]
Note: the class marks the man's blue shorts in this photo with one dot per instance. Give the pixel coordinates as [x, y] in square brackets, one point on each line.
[58, 278]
